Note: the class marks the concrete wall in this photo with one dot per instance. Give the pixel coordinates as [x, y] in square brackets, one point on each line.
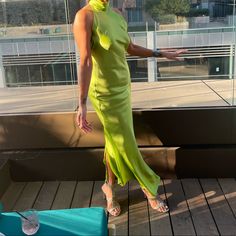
[182, 142]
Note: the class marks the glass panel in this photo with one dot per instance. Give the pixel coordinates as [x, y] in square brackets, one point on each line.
[47, 75]
[138, 70]
[206, 29]
[36, 75]
[11, 76]
[38, 49]
[23, 75]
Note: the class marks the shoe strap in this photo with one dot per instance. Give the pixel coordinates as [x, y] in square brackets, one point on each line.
[111, 186]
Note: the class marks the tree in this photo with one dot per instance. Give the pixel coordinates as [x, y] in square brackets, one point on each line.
[74, 6]
[157, 8]
[28, 12]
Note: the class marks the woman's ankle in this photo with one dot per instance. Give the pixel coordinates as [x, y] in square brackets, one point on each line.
[148, 194]
[110, 182]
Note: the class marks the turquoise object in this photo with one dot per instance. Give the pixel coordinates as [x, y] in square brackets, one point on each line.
[1, 208]
[78, 221]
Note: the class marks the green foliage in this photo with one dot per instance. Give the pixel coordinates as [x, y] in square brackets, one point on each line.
[59, 14]
[74, 6]
[197, 12]
[35, 12]
[28, 12]
[1, 13]
[159, 8]
[167, 19]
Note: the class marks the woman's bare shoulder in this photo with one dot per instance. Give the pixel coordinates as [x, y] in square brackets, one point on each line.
[85, 12]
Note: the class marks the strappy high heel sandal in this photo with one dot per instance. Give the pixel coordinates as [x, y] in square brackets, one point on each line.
[114, 208]
[161, 204]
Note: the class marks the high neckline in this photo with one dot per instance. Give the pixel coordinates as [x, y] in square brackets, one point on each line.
[98, 5]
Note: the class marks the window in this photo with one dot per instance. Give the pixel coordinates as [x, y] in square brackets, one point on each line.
[139, 3]
[135, 15]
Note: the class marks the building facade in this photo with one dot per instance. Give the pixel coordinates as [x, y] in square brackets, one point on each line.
[133, 11]
[37, 49]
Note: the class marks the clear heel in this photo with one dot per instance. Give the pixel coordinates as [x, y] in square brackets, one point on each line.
[161, 206]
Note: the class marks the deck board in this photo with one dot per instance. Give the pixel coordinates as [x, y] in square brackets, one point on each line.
[12, 194]
[82, 194]
[160, 222]
[228, 187]
[64, 195]
[220, 209]
[46, 195]
[203, 221]
[197, 206]
[28, 196]
[97, 195]
[138, 211]
[120, 224]
[180, 216]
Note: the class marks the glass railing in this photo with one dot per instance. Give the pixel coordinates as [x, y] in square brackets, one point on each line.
[38, 54]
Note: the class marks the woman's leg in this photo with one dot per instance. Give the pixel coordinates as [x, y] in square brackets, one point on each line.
[107, 189]
[110, 175]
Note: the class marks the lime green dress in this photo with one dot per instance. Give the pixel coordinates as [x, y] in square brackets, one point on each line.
[109, 93]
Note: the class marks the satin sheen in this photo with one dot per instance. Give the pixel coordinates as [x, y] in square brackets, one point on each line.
[110, 95]
[98, 5]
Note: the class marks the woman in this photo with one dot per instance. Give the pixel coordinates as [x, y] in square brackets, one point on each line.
[101, 36]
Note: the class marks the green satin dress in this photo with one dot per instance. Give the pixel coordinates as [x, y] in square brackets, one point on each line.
[109, 93]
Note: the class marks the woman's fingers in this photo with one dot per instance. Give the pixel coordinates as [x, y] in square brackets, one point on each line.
[177, 53]
[84, 125]
[181, 51]
[86, 130]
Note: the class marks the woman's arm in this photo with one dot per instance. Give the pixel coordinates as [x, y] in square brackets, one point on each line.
[136, 50]
[82, 29]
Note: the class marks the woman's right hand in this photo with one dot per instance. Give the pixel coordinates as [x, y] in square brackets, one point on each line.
[81, 119]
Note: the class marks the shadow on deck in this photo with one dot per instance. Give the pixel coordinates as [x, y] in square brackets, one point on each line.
[197, 206]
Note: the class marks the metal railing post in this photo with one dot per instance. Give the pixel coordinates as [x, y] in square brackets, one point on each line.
[152, 65]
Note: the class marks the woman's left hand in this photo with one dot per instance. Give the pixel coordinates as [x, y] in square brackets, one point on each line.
[174, 55]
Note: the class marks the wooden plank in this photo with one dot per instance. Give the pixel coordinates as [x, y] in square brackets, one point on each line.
[180, 216]
[228, 185]
[83, 194]
[97, 197]
[98, 201]
[46, 195]
[160, 222]
[202, 219]
[138, 211]
[119, 224]
[28, 196]
[64, 195]
[12, 194]
[220, 209]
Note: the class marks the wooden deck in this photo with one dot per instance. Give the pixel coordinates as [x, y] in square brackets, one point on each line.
[197, 206]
